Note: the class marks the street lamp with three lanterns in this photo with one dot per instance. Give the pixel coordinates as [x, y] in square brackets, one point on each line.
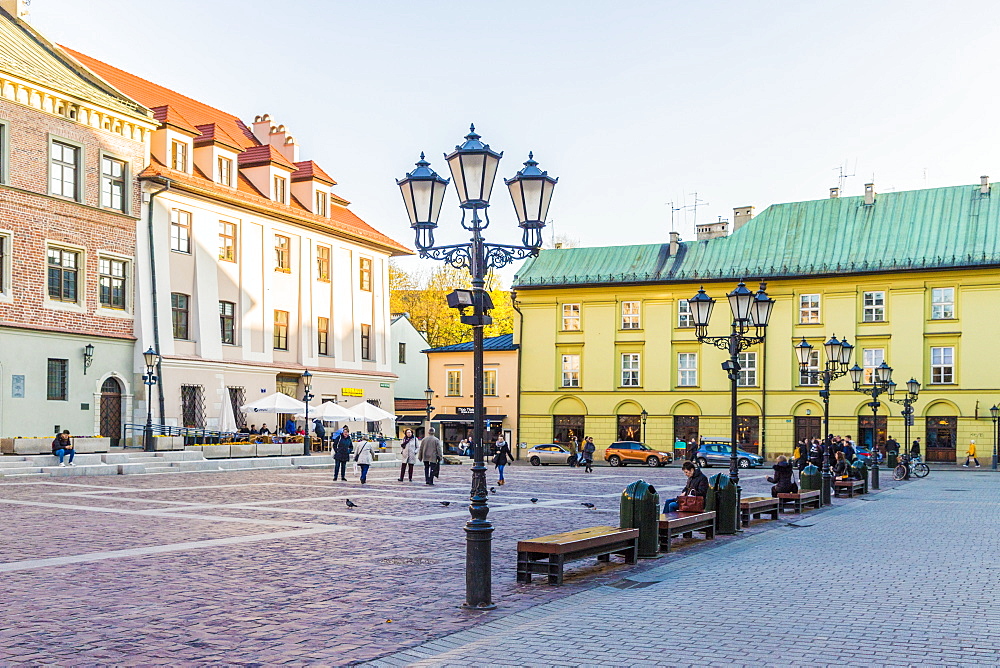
[906, 400]
[881, 384]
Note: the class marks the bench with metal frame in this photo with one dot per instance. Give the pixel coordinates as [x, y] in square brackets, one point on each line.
[798, 502]
[753, 507]
[848, 487]
[672, 525]
[549, 554]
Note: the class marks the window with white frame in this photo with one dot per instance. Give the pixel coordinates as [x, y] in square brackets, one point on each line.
[571, 371]
[687, 369]
[4, 151]
[227, 241]
[942, 303]
[684, 317]
[180, 231]
[748, 370]
[808, 309]
[178, 156]
[366, 343]
[874, 306]
[323, 336]
[871, 358]
[630, 369]
[571, 317]
[225, 167]
[321, 203]
[806, 378]
[490, 382]
[4, 255]
[630, 315]
[942, 365]
[281, 189]
[113, 192]
[454, 382]
[64, 170]
[112, 283]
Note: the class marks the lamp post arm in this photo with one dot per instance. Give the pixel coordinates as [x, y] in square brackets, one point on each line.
[499, 256]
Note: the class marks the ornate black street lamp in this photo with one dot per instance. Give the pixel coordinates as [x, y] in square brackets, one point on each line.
[881, 384]
[838, 357]
[642, 418]
[750, 312]
[473, 167]
[150, 358]
[907, 401]
[429, 395]
[307, 397]
[995, 414]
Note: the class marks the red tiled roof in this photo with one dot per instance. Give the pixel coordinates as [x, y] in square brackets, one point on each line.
[309, 170]
[170, 116]
[264, 155]
[213, 133]
[152, 95]
[411, 404]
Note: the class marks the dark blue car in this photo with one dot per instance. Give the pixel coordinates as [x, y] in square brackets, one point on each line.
[719, 452]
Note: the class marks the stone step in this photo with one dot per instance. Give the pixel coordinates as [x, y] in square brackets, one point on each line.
[24, 475]
[80, 469]
[52, 460]
[23, 470]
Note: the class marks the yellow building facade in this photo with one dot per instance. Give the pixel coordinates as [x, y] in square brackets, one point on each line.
[605, 333]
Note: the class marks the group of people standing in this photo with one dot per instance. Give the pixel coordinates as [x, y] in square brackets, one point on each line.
[582, 453]
[428, 450]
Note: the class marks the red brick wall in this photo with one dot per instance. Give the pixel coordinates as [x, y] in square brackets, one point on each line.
[35, 218]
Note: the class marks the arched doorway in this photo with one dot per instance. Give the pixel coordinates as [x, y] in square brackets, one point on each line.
[111, 410]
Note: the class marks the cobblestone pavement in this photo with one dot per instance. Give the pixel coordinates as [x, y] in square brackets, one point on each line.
[271, 567]
[773, 599]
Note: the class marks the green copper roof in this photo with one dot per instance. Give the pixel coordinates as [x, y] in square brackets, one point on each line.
[935, 228]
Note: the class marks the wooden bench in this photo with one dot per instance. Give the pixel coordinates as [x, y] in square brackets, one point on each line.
[753, 507]
[677, 523]
[848, 487]
[547, 555]
[798, 502]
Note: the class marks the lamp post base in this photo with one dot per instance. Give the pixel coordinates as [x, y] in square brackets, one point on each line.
[307, 445]
[478, 566]
[875, 484]
[147, 439]
[827, 496]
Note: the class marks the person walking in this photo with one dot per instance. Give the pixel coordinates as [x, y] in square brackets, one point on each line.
[62, 445]
[970, 454]
[574, 451]
[502, 458]
[915, 448]
[364, 458]
[588, 454]
[408, 454]
[431, 454]
[341, 447]
[691, 453]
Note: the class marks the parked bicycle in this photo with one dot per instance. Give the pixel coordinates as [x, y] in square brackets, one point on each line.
[910, 465]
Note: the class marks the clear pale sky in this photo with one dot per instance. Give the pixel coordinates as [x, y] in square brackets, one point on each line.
[633, 105]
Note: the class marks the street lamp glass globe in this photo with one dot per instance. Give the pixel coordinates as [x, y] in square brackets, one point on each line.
[307, 379]
[995, 412]
[856, 374]
[423, 194]
[701, 308]
[429, 394]
[150, 357]
[643, 415]
[890, 388]
[845, 352]
[760, 308]
[803, 349]
[473, 167]
[913, 387]
[883, 373]
[833, 348]
[531, 191]
[740, 300]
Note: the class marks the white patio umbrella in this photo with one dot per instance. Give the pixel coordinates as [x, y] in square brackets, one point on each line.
[371, 413]
[227, 420]
[331, 411]
[275, 403]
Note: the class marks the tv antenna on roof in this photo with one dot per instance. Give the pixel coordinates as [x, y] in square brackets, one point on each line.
[842, 176]
[694, 207]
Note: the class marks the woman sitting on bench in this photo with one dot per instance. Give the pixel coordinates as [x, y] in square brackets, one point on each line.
[841, 469]
[697, 485]
[783, 481]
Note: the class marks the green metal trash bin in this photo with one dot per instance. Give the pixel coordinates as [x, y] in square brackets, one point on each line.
[859, 471]
[723, 498]
[892, 458]
[810, 478]
[640, 509]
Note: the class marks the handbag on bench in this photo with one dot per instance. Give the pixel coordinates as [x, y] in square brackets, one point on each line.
[691, 504]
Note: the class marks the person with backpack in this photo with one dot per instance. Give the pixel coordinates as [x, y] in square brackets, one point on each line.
[502, 457]
[341, 446]
[364, 458]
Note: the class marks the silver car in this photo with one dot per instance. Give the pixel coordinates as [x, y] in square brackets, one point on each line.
[550, 453]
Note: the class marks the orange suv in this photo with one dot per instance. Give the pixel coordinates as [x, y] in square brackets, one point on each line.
[622, 453]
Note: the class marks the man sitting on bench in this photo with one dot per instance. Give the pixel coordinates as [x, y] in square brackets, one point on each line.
[782, 479]
[697, 485]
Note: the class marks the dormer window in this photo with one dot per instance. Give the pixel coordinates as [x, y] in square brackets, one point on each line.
[225, 170]
[281, 189]
[321, 203]
[178, 156]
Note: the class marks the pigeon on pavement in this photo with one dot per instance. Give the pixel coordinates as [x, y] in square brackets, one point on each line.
[534, 500]
[493, 490]
[351, 504]
[587, 505]
[445, 503]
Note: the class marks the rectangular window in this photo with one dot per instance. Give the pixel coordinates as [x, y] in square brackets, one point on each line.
[56, 380]
[630, 315]
[281, 189]
[3, 152]
[365, 278]
[227, 322]
[180, 231]
[813, 365]
[490, 382]
[178, 156]
[942, 303]
[112, 283]
[870, 359]
[874, 307]
[323, 336]
[113, 184]
[687, 369]
[3, 261]
[225, 167]
[323, 263]
[454, 382]
[630, 369]
[942, 365]
[64, 170]
[282, 253]
[321, 202]
[63, 277]
[748, 370]
[227, 241]
[808, 309]
[193, 406]
[684, 317]
[366, 342]
[281, 330]
[571, 317]
[567, 427]
[571, 371]
[402, 353]
[179, 314]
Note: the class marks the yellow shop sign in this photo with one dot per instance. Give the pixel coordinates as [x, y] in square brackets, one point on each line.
[352, 392]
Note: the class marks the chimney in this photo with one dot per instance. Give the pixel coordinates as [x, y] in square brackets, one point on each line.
[869, 194]
[834, 193]
[16, 8]
[557, 245]
[675, 243]
[262, 128]
[741, 216]
[289, 149]
[984, 186]
[708, 231]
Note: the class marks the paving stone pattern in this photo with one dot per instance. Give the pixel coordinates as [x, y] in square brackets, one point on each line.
[271, 567]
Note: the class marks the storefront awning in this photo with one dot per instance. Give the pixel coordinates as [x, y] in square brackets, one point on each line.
[465, 418]
[410, 419]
